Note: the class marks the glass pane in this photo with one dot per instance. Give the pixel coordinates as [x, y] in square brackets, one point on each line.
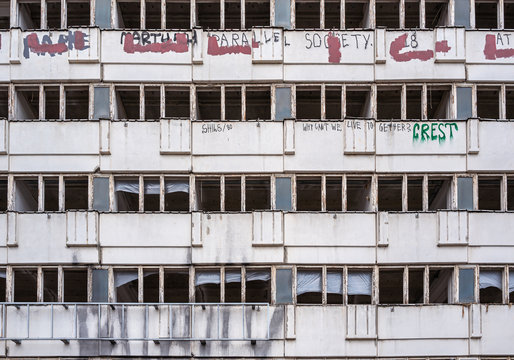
[463, 103]
[101, 193]
[283, 193]
[465, 193]
[283, 13]
[283, 103]
[103, 14]
[466, 285]
[100, 285]
[284, 286]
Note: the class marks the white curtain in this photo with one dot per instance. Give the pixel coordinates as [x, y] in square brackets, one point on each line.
[130, 186]
[171, 186]
[490, 278]
[207, 277]
[124, 277]
[334, 283]
[262, 275]
[152, 187]
[308, 281]
[232, 276]
[359, 283]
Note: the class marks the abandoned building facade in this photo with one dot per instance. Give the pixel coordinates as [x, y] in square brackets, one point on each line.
[285, 179]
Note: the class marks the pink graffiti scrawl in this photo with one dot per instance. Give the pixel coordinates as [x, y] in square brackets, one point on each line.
[72, 40]
[442, 46]
[334, 49]
[492, 53]
[399, 43]
[180, 46]
[214, 49]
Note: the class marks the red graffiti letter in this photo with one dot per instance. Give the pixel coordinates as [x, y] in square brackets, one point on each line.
[492, 53]
[214, 49]
[442, 46]
[180, 46]
[399, 43]
[35, 46]
[334, 49]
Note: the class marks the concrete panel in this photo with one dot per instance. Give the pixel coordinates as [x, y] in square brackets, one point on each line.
[5, 38]
[330, 255]
[53, 163]
[489, 47]
[420, 163]
[147, 73]
[496, 332]
[146, 255]
[495, 141]
[328, 72]
[236, 164]
[424, 347]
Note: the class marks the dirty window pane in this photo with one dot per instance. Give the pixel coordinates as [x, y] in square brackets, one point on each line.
[283, 193]
[283, 103]
[283, 13]
[207, 286]
[465, 193]
[101, 193]
[100, 285]
[103, 14]
[101, 103]
[466, 285]
[462, 11]
[284, 284]
[126, 285]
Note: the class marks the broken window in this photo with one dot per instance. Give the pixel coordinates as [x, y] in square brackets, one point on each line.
[466, 285]
[4, 100]
[334, 287]
[257, 13]
[51, 194]
[489, 193]
[233, 193]
[332, 14]
[283, 193]
[27, 103]
[414, 194]
[258, 193]
[416, 281]
[26, 194]
[488, 103]
[233, 14]
[334, 193]
[128, 14]
[439, 194]
[359, 286]
[153, 14]
[4, 24]
[258, 103]
[390, 284]
[283, 103]
[258, 285]
[177, 102]
[25, 285]
[465, 193]
[126, 285]
[207, 286]
[152, 102]
[358, 194]
[78, 13]
[333, 102]
[75, 193]
[29, 14]
[413, 102]
[356, 14]
[436, 14]
[75, 285]
[233, 103]
[77, 103]
[412, 14]
[178, 14]
[101, 193]
[389, 103]
[176, 194]
[208, 14]
[486, 15]
[3, 283]
[51, 102]
[126, 194]
[308, 102]
[284, 286]
[100, 285]
[308, 287]
[307, 14]
[308, 193]
[151, 285]
[358, 102]
[208, 100]
[510, 194]
[438, 102]
[508, 15]
[232, 285]
[390, 194]
[152, 198]
[127, 103]
[440, 286]
[208, 194]
[490, 283]
[3, 195]
[50, 285]
[387, 14]
[176, 286]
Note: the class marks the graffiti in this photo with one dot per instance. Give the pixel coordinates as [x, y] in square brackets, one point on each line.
[359, 125]
[74, 39]
[154, 42]
[394, 127]
[491, 51]
[237, 43]
[433, 131]
[214, 128]
[322, 126]
[334, 49]
[404, 41]
[359, 41]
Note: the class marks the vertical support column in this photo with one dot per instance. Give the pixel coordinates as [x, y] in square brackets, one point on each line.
[324, 285]
[344, 194]
[192, 193]
[343, 98]
[61, 193]
[193, 13]
[293, 16]
[243, 14]
[161, 284]
[64, 14]
[503, 102]
[273, 191]
[323, 101]
[501, 14]
[222, 16]
[143, 15]
[424, 103]
[342, 14]
[322, 15]
[141, 193]
[371, 14]
[293, 99]
[92, 13]
[474, 112]
[426, 285]
[374, 192]
[9, 283]
[91, 102]
[504, 194]
[142, 100]
[374, 286]
[472, 14]
[475, 192]
[111, 193]
[12, 101]
[14, 13]
[222, 193]
[60, 284]
[140, 284]
[293, 190]
[506, 284]
[40, 194]
[477, 284]
[451, 12]
[162, 193]
[39, 291]
[111, 288]
[453, 102]
[373, 97]
[405, 193]
[402, 14]
[222, 102]
[62, 102]
[323, 192]
[162, 102]
[243, 193]
[454, 192]
[243, 101]
[11, 189]
[405, 285]
[422, 14]
[42, 102]
[404, 101]
[222, 283]
[425, 192]
[243, 284]
[345, 285]
[191, 283]
[89, 284]
[163, 16]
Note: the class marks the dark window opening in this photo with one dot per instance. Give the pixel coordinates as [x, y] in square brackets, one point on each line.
[258, 103]
[177, 103]
[413, 103]
[127, 103]
[26, 194]
[3, 285]
[75, 286]
[358, 194]
[176, 286]
[77, 103]
[207, 286]
[4, 21]
[486, 15]
[233, 285]
[488, 103]
[232, 103]
[153, 14]
[75, 193]
[151, 286]
[332, 14]
[308, 102]
[509, 97]
[511, 292]
[389, 104]
[126, 285]
[258, 193]
[233, 14]
[127, 194]
[334, 287]
[25, 285]
[258, 286]
[152, 198]
[51, 102]
[390, 286]
[334, 193]
[489, 193]
[416, 280]
[209, 103]
[208, 14]
[510, 194]
[257, 13]
[129, 14]
[4, 103]
[508, 15]
[50, 285]
[438, 103]
[3, 197]
[152, 103]
[412, 14]
[29, 15]
[359, 287]
[208, 194]
[490, 282]
[233, 193]
[436, 14]
[308, 287]
[308, 193]
[356, 14]
[307, 14]
[389, 194]
[358, 104]
[333, 103]
[51, 193]
[78, 13]
[27, 104]
[388, 14]
[178, 14]
[53, 14]
[415, 194]
[176, 194]
[439, 194]
[440, 286]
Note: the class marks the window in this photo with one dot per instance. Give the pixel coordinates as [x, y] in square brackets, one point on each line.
[101, 193]
[390, 286]
[389, 103]
[333, 102]
[307, 14]
[75, 193]
[416, 281]
[51, 195]
[153, 14]
[441, 284]
[126, 192]
[490, 283]
[207, 286]
[489, 193]
[176, 194]
[51, 102]
[75, 285]
[208, 14]
[25, 285]
[510, 194]
[127, 103]
[4, 19]
[308, 102]
[390, 194]
[308, 287]
[208, 194]
[258, 193]
[27, 103]
[233, 103]
[78, 13]
[258, 285]
[436, 14]
[77, 103]
[334, 193]
[151, 285]
[486, 15]
[438, 102]
[358, 194]
[152, 102]
[152, 194]
[233, 14]
[126, 286]
[466, 285]
[465, 193]
[53, 14]
[128, 14]
[332, 14]
[414, 194]
[258, 103]
[488, 103]
[358, 102]
[100, 285]
[4, 99]
[283, 193]
[3, 195]
[388, 14]
[308, 193]
[176, 286]
[232, 285]
[357, 14]
[233, 193]
[208, 103]
[50, 285]
[439, 194]
[29, 14]
[283, 103]
[334, 287]
[3, 285]
[359, 287]
[178, 13]
[257, 13]
[26, 194]
[284, 286]
[412, 14]
[413, 102]
[508, 15]
[177, 102]
[464, 103]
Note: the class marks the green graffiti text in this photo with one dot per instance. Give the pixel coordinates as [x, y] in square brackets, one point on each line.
[435, 131]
